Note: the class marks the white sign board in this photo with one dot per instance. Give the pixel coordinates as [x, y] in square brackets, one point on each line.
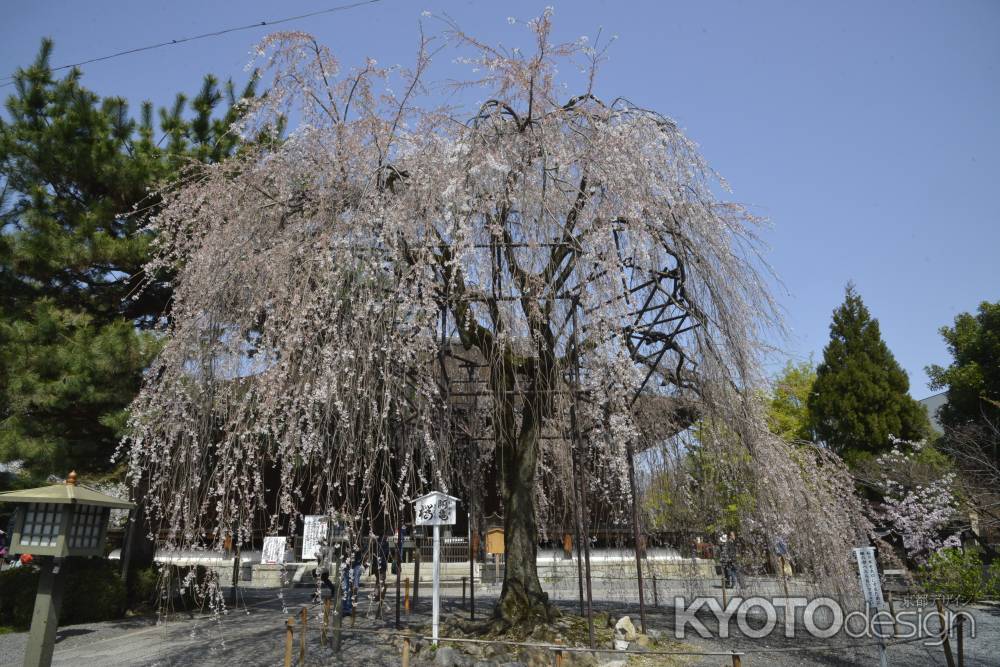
[868, 572]
[313, 532]
[435, 509]
[273, 551]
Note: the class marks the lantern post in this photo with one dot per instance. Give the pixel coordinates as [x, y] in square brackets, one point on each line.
[54, 522]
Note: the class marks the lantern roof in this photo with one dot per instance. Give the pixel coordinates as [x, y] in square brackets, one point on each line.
[69, 492]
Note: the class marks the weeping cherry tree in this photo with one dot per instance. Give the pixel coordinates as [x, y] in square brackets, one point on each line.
[577, 246]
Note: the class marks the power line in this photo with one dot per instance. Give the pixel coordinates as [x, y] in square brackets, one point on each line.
[9, 80]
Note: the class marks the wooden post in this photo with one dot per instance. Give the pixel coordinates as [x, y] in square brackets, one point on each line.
[236, 577]
[406, 649]
[289, 640]
[302, 637]
[463, 591]
[326, 621]
[784, 580]
[736, 661]
[945, 642]
[892, 611]
[406, 595]
[656, 597]
[960, 622]
[416, 571]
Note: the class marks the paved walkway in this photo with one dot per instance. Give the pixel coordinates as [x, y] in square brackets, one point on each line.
[253, 635]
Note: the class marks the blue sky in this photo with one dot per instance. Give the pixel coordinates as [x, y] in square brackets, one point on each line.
[867, 132]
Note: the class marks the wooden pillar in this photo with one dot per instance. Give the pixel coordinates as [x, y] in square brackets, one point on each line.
[289, 640]
[326, 621]
[302, 637]
[945, 641]
[406, 649]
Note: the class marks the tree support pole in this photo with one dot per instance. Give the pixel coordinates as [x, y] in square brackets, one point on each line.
[579, 534]
[416, 571]
[338, 605]
[127, 547]
[399, 567]
[581, 479]
[636, 532]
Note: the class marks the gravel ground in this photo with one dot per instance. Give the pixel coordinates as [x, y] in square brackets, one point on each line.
[254, 636]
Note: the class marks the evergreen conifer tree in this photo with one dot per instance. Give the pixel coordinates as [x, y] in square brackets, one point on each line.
[860, 395]
[76, 172]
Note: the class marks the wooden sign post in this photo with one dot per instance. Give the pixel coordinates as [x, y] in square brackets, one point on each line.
[435, 509]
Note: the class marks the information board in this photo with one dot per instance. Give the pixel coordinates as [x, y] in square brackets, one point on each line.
[434, 509]
[313, 532]
[868, 573]
[274, 550]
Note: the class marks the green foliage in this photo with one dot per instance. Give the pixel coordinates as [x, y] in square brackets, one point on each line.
[788, 407]
[143, 586]
[704, 493]
[959, 573]
[92, 591]
[860, 397]
[973, 377]
[17, 596]
[76, 172]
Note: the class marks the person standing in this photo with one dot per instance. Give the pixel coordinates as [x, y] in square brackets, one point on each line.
[381, 564]
[352, 579]
[727, 558]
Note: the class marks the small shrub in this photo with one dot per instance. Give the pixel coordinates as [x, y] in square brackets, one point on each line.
[17, 596]
[144, 586]
[959, 573]
[92, 591]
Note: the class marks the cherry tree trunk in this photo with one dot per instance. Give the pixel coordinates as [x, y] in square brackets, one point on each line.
[522, 600]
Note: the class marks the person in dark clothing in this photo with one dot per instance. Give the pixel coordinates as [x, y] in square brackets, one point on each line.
[727, 558]
[352, 580]
[381, 565]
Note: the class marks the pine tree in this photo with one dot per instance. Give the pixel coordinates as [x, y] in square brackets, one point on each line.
[860, 395]
[76, 172]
